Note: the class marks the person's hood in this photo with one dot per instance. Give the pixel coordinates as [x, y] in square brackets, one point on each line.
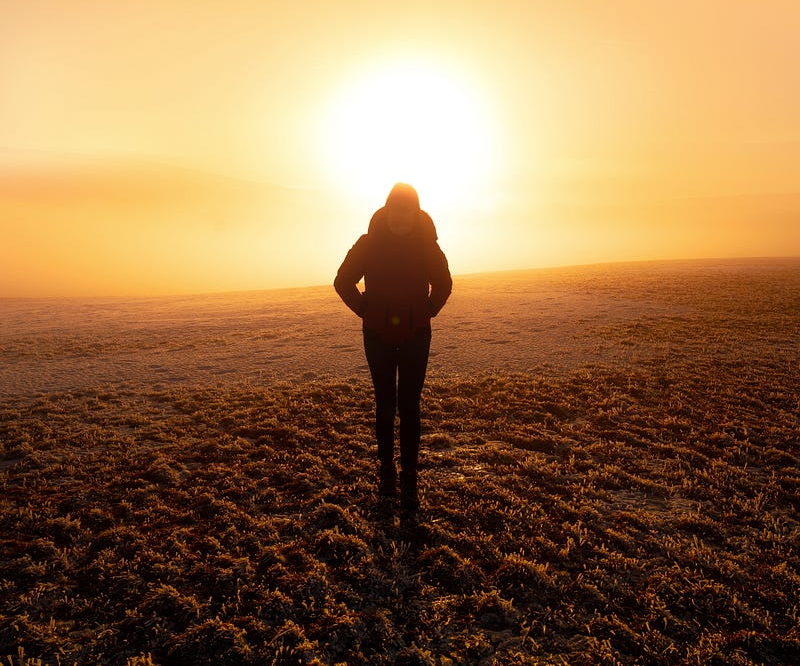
[379, 226]
[403, 196]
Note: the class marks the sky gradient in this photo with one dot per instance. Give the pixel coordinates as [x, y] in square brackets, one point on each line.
[160, 147]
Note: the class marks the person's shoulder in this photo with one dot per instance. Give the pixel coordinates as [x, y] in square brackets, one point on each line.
[362, 241]
[377, 220]
[363, 246]
[427, 227]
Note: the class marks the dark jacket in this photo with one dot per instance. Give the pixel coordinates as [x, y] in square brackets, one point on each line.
[406, 278]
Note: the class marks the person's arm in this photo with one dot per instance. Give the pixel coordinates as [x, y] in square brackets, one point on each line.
[439, 277]
[350, 273]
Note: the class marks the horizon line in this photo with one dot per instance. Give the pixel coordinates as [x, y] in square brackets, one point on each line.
[472, 274]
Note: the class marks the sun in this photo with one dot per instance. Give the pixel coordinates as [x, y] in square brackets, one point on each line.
[414, 121]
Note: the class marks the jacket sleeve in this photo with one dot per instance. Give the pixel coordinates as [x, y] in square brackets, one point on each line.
[350, 273]
[439, 278]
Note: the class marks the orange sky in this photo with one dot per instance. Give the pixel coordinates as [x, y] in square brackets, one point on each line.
[163, 146]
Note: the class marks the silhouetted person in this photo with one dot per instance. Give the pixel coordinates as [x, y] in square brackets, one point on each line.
[407, 281]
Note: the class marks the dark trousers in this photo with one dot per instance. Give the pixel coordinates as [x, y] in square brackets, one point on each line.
[398, 374]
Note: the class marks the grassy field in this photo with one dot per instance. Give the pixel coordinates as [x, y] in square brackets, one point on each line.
[609, 514]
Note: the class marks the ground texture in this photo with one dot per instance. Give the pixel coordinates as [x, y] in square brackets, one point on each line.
[641, 510]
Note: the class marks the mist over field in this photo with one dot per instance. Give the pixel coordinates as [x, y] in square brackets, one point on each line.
[510, 321]
[125, 228]
[609, 474]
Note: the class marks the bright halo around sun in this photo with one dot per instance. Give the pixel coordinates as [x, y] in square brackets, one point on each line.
[413, 122]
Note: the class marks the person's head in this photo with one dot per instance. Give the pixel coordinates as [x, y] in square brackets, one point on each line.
[402, 208]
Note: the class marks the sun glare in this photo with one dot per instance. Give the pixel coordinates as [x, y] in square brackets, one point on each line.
[408, 121]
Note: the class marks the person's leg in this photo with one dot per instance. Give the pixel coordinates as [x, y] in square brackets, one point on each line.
[412, 367]
[382, 361]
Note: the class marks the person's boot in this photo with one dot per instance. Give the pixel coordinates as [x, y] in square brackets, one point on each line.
[409, 499]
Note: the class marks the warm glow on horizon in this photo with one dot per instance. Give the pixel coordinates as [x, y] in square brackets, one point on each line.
[177, 147]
